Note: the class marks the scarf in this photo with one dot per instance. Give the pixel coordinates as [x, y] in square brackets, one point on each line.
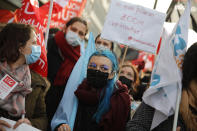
[188, 106]
[87, 94]
[14, 103]
[118, 114]
[70, 54]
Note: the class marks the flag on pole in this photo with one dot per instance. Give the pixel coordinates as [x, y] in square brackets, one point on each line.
[62, 12]
[6, 16]
[67, 108]
[167, 73]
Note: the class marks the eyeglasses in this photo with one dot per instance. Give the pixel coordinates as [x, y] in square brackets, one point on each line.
[103, 68]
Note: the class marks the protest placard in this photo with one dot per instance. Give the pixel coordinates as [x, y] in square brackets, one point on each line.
[133, 25]
[7, 84]
[70, 9]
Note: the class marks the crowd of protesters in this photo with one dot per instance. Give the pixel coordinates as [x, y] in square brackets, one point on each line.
[110, 96]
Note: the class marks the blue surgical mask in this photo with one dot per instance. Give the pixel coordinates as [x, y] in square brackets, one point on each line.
[34, 56]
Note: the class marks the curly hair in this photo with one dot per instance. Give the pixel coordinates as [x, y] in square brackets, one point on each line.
[12, 37]
[190, 66]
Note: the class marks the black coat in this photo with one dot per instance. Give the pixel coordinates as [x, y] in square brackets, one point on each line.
[61, 60]
[54, 95]
[54, 59]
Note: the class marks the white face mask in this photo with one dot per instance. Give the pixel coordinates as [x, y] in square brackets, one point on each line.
[73, 39]
[100, 47]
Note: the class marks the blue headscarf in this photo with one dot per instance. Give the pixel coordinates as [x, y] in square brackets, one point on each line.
[104, 103]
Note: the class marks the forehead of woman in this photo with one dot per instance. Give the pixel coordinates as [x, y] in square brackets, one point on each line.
[128, 69]
[33, 35]
[99, 39]
[32, 39]
[79, 25]
[101, 60]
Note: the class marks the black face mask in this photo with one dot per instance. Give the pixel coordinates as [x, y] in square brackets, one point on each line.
[96, 78]
[137, 95]
[126, 81]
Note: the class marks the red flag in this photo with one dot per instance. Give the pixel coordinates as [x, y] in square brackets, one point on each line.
[6, 16]
[147, 58]
[44, 9]
[61, 15]
[62, 3]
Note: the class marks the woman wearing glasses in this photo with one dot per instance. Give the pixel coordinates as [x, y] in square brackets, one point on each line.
[103, 104]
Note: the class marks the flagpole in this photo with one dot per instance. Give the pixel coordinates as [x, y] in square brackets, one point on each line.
[48, 23]
[188, 11]
[177, 107]
[125, 52]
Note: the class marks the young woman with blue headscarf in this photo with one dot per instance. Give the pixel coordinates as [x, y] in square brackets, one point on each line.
[103, 104]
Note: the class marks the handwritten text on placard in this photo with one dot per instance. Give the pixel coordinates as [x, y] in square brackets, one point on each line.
[133, 25]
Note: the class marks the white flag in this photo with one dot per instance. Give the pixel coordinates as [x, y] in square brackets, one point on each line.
[166, 76]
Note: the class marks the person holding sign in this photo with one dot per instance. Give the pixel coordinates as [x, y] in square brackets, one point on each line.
[103, 104]
[18, 49]
[63, 52]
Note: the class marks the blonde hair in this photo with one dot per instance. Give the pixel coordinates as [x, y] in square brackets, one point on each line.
[136, 74]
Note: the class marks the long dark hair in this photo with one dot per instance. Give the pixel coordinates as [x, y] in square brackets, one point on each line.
[190, 66]
[12, 37]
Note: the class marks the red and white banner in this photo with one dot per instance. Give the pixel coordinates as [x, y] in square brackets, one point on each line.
[148, 58]
[62, 3]
[61, 15]
[6, 16]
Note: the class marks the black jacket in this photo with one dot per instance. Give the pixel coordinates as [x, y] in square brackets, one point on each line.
[54, 94]
[54, 59]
